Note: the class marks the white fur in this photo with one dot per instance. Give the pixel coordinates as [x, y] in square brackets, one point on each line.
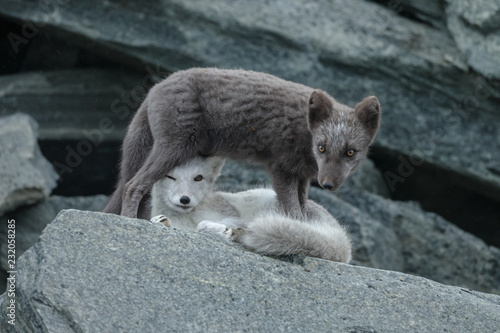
[274, 234]
[166, 194]
[264, 230]
[219, 229]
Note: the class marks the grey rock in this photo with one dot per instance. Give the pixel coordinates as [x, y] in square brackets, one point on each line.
[40, 55]
[429, 11]
[95, 272]
[237, 176]
[428, 245]
[32, 220]
[25, 175]
[85, 104]
[435, 108]
[367, 178]
[475, 26]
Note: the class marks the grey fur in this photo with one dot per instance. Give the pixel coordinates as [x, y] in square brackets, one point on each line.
[243, 115]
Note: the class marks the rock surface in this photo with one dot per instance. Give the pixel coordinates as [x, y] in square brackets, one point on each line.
[98, 272]
[475, 26]
[428, 11]
[25, 175]
[435, 108]
[32, 220]
[426, 244]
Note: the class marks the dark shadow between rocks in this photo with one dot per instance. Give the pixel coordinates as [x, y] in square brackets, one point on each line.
[95, 173]
[442, 192]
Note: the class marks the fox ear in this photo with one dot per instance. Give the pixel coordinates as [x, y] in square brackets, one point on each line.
[320, 108]
[368, 112]
[216, 163]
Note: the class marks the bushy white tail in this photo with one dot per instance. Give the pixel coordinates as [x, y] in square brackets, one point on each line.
[276, 234]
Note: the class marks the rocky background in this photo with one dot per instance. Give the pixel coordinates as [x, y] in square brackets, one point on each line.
[426, 202]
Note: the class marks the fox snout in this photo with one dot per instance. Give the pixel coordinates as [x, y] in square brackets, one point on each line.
[332, 177]
[327, 186]
[185, 200]
[331, 186]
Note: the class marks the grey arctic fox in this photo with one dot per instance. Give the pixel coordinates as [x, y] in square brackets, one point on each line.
[185, 199]
[299, 134]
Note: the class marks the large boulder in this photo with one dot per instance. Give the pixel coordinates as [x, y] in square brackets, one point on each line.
[26, 176]
[95, 272]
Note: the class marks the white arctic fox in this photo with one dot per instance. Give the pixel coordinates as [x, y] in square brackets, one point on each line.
[251, 217]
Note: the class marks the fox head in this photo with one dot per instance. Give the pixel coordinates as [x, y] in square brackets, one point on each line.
[186, 185]
[341, 136]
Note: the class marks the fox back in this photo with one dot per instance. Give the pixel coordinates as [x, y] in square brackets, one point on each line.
[247, 115]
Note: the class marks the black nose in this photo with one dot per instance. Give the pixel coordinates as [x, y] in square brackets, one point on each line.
[185, 200]
[327, 186]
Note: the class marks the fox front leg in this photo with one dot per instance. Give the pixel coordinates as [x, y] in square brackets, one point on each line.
[303, 194]
[290, 192]
[161, 219]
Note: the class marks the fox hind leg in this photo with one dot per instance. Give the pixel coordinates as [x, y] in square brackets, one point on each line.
[136, 147]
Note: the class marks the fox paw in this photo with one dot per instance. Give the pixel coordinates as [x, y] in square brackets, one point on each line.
[214, 228]
[161, 219]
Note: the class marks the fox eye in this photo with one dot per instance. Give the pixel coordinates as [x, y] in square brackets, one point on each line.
[198, 178]
[350, 153]
[321, 149]
[170, 177]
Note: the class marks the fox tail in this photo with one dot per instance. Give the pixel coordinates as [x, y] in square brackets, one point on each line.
[276, 234]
